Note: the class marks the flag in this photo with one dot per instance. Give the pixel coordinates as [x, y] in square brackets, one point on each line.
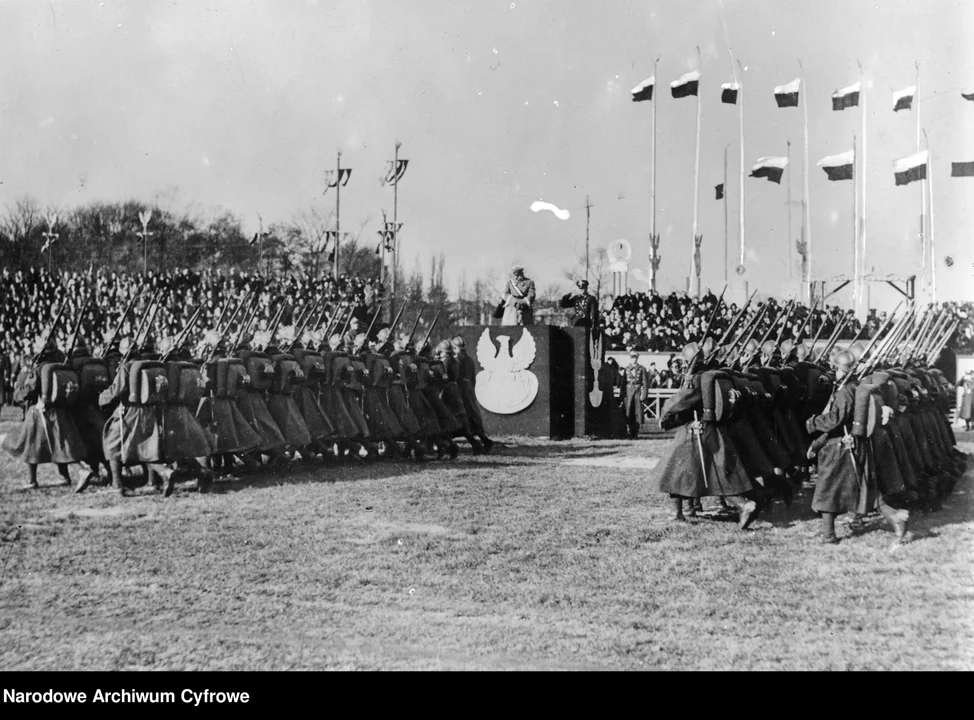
[787, 95]
[903, 99]
[838, 167]
[910, 168]
[968, 96]
[770, 167]
[846, 97]
[254, 239]
[686, 85]
[728, 93]
[719, 189]
[962, 169]
[644, 90]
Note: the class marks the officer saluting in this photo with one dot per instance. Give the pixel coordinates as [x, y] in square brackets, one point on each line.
[583, 305]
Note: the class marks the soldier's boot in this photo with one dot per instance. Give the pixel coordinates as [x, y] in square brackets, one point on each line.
[748, 510]
[857, 523]
[118, 485]
[418, 448]
[454, 450]
[31, 477]
[205, 476]
[439, 446]
[828, 536]
[86, 479]
[478, 448]
[487, 442]
[900, 520]
[65, 473]
[678, 508]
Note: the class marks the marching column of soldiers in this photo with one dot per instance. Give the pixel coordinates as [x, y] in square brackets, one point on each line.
[319, 390]
[754, 416]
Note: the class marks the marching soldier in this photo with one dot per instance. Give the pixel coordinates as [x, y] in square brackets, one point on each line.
[844, 482]
[467, 382]
[702, 460]
[47, 389]
[446, 371]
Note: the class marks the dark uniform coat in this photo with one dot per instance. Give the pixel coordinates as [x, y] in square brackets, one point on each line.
[46, 435]
[843, 483]
[681, 471]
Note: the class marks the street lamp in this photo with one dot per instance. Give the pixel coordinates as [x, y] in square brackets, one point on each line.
[145, 217]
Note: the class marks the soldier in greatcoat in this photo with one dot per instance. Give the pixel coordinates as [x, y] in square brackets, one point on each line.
[47, 433]
[636, 381]
[845, 482]
[701, 460]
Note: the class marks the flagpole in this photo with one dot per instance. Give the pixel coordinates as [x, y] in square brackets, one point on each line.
[740, 96]
[791, 257]
[862, 230]
[694, 270]
[338, 213]
[923, 201]
[808, 222]
[933, 255]
[726, 234]
[655, 102]
[395, 227]
[855, 227]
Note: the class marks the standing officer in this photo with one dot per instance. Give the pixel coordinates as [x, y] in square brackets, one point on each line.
[583, 305]
[636, 389]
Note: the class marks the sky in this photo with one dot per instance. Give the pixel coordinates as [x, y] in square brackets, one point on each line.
[243, 105]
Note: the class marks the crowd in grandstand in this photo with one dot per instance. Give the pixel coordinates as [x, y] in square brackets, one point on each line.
[641, 321]
[30, 298]
[652, 322]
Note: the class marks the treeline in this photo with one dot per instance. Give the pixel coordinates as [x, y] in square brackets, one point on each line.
[108, 235]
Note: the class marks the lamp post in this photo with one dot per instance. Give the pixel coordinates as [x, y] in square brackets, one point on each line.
[145, 217]
[50, 237]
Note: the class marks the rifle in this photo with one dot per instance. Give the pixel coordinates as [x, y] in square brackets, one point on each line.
[245, 323]
[785, 313]
[866, 364]
[906, 352]
[77, 325]
[395, 323]
[888, 342]
[731, 328]
[889, 345]
[276, 323]
[934, 353]
[839, 327]
[121, 321]
[745, 333]
[801, 328]
[430, 331]
[374, 318]
[413, 331]
[50, 332]
[942, 322]
[303, 324]
[706, 334]
[784, 325]
[181, 337]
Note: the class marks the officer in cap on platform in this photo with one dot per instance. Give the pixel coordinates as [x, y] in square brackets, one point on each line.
[583, 305]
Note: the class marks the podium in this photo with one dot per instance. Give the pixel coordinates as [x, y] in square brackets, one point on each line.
[532, 381]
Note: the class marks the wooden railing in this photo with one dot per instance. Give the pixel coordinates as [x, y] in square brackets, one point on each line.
[655, 399]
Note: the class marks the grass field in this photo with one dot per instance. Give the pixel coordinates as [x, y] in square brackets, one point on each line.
[542, 556]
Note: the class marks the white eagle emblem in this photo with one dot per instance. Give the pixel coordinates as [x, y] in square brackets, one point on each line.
[505, 385]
